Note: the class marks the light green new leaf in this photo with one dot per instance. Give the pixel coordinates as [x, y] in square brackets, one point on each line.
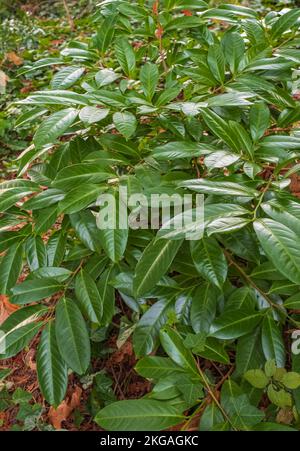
[256, 378]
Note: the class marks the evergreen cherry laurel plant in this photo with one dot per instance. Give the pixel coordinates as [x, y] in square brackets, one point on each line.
[166, 97]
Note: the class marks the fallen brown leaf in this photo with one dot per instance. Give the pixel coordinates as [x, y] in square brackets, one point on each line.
[64, 410]
[6, 308]
[29, 359]
[121, 354]
[13, 58]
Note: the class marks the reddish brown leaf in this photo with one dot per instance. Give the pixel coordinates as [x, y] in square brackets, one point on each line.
[13, 58]
[64, 410]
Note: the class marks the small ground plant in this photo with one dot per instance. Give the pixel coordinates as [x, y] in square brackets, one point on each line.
[167, 98]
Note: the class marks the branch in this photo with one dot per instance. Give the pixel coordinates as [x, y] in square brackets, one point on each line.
[69, 17]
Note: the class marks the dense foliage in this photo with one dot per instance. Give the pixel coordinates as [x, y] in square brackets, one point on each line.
[166, 97]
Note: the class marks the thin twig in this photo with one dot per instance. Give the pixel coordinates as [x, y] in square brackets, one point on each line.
[69, 17]
[261, 292]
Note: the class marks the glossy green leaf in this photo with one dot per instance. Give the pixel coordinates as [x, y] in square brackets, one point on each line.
[218, 188]
[125, 123]
[281, 245]
[54, 126]
[89, 297]
[67, 77]
[10, 267]
[138, 415]
[154, 263]
[51, 368]
[272, 341]
[79, 198]
[259, 120]
[209, 260]
[234, 324]
[125, 56]
[285, 22]
[149, 77]
[203, 308]
[72, 336]
[146, 333]
[34, 290]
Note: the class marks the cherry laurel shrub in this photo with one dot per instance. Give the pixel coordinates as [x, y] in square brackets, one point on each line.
[169, 97]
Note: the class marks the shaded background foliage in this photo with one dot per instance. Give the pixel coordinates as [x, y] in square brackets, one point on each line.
[27, 39]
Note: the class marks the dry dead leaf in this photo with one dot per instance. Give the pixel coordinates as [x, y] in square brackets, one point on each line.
[64, 410]
[13, 58]
[121, 354]
[285, 416]
[6, 308]
[29, 359]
